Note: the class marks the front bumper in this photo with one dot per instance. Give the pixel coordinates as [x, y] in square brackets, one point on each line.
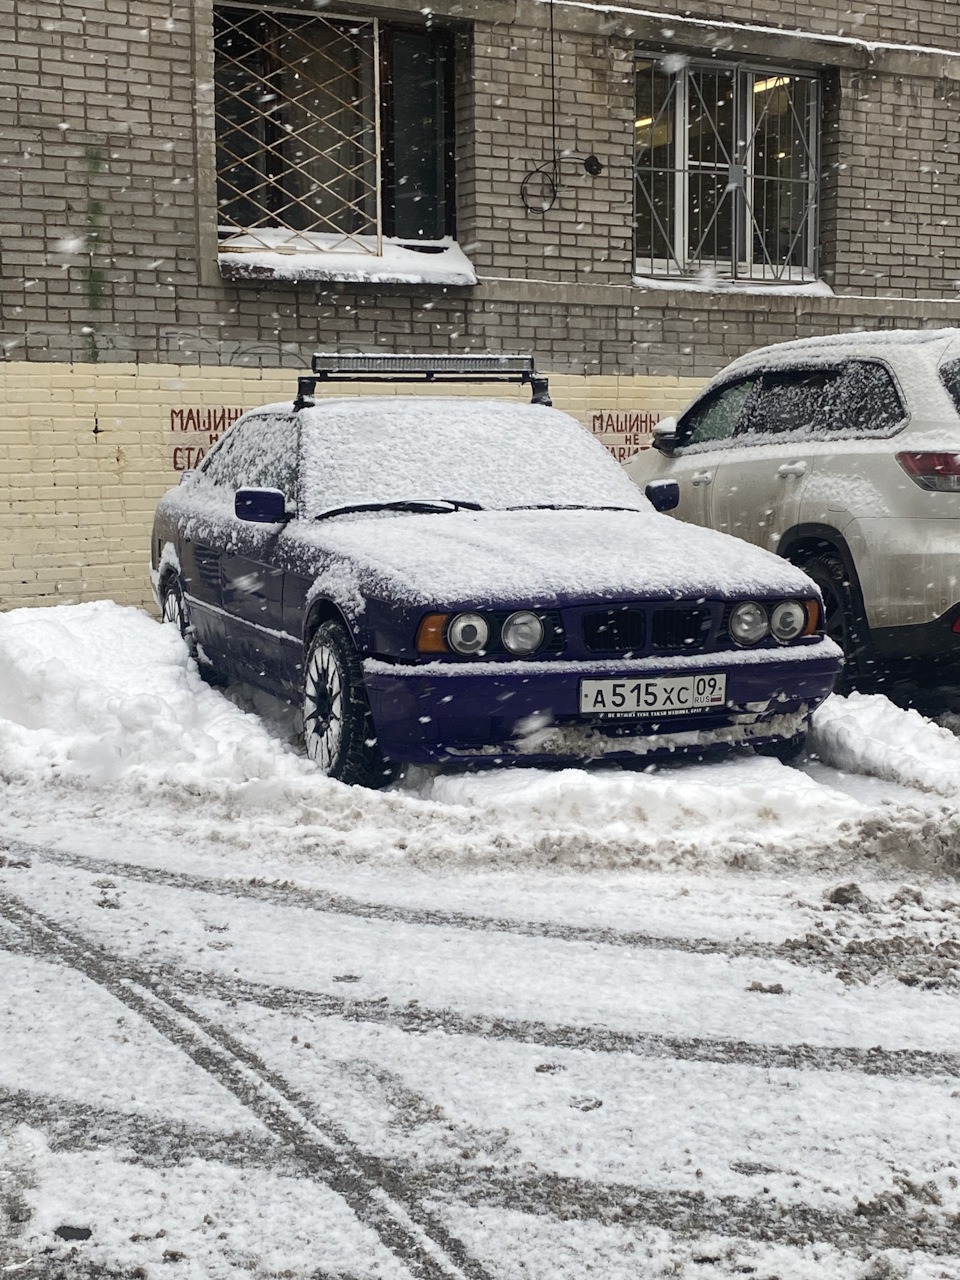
[494, 712]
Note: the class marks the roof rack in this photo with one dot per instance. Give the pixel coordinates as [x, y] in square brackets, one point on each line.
[330, 367]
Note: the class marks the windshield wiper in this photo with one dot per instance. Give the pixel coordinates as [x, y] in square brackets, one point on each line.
[427, 506]
[566, 506]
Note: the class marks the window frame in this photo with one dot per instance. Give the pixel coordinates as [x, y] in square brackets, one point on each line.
[218, 455]
[687, 447]
[270, 230]
[742, 262]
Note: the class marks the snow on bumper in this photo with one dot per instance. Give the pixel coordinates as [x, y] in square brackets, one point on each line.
[530, 711]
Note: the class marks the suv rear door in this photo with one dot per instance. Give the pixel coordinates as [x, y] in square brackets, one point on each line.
[800, 446]
[759, 486]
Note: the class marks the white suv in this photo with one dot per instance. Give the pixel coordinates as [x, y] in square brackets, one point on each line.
[841, 454]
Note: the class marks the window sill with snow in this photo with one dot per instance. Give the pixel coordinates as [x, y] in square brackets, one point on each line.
[353, 260]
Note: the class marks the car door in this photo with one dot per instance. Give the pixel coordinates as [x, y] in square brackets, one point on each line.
[705, 432]
[852, 456]
[256, 556]
[759, 487]
[205, 532]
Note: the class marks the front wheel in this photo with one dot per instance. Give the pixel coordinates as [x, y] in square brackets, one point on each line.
[174, 611]
[338, 730]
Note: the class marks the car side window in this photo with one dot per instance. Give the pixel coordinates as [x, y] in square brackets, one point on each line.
[867, 401]
[791, 402]
[950, 377]
[856, 398]
[715, 418]
[258, 453]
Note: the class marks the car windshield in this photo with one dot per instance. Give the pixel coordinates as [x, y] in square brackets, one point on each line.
[493, 454]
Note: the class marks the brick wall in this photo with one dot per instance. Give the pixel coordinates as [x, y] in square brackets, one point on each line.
[105, 190]
[87, 449]
[107, 245]
[935, 24]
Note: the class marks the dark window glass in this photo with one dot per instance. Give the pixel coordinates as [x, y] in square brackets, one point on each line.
[866, 400]
[858, 397]
[258, 453]
[418, 150]
[794, 401]
[950, 377]
[298, 107]
[716, 417]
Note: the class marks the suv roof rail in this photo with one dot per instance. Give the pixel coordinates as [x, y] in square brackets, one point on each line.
[331, 367]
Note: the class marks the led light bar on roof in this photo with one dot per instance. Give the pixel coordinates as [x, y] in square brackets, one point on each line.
[378, 365]
[330, 367]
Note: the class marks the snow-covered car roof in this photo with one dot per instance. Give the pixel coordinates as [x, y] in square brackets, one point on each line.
[915, 356]
[900, 347]
[495, 453]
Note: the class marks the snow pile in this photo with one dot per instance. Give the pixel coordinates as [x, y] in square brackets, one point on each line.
[111, 741]
[726, 803]
[866, 733]
[99, 694]
[275, 254]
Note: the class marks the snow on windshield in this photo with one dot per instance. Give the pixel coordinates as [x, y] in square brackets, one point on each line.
[494, 453]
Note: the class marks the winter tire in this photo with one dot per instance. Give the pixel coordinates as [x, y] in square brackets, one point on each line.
[844, 619]
[174, 611]
[338, 730]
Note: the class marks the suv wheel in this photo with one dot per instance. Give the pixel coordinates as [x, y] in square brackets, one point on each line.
[844, 619]
[338, 730]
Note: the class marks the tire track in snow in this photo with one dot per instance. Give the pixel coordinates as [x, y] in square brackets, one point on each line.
[285, 894]
[419, 1020]
[861, 961]
[884, 1222]
[372, 1188]
[156, 1142]
[889, 1221]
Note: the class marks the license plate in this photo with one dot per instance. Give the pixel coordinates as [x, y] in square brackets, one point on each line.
[662, 695]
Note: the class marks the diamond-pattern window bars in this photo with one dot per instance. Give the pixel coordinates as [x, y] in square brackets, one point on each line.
[726, 170]
[298, 132]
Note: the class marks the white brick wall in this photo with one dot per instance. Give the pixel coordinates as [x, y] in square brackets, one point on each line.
[86, 451]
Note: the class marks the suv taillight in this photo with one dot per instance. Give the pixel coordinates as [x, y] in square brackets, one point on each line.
[939, 471]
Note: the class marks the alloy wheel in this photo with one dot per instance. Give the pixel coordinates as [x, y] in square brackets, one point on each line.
[323, 708]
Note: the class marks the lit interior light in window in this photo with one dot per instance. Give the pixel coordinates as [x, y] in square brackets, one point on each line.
[775, 82]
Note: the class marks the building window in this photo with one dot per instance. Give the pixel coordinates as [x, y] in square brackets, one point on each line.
[727, 171]
[332, 134]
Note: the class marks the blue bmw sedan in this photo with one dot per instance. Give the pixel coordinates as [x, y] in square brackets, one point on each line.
[446, 579]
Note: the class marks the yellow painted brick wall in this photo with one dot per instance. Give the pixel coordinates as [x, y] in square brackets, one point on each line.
[86, 451]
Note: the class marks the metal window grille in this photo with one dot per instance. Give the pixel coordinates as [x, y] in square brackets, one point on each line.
[727, 171]
[298, 131]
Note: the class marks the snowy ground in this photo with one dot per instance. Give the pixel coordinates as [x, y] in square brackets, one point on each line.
[694, 1022]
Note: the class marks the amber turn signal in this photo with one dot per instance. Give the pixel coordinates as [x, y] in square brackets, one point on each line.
[431, 633]
[813, 617]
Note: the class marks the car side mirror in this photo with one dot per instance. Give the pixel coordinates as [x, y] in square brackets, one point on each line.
[664, 495]
[665, 437]
[261, 506]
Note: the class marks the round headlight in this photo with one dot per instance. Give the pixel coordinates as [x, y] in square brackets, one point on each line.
[522, 632]
[788, 620]
[468, 633]
[748, 622]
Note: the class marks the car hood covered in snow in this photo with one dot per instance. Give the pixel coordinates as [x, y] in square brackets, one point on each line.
[546, 557]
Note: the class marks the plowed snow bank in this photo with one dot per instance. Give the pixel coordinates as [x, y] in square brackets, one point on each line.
[102, 711]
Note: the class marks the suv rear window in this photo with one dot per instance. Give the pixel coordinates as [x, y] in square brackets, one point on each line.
[857, 397]
[950, 377]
